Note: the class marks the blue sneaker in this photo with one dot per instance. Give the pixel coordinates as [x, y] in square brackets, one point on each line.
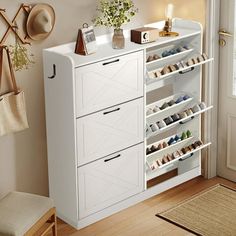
[180, 99]
[185, 97]
[177, 138]
[171, 141]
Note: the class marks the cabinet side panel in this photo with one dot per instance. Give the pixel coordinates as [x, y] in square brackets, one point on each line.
[61, 138]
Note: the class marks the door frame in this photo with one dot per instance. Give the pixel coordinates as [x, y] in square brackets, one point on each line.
[210, 91]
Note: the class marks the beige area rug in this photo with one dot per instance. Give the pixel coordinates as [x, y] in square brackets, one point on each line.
[209, 213]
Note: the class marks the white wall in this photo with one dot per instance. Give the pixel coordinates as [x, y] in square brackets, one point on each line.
[23, 158]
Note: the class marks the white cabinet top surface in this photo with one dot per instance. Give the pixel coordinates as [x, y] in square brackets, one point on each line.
[105, 51]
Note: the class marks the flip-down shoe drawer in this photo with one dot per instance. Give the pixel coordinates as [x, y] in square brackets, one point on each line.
[109, 180]
[108, 83]
[109, 131]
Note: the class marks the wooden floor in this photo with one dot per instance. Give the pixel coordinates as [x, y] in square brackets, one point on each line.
[140, 220]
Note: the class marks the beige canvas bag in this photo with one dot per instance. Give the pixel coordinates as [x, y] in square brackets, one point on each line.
[13, 116]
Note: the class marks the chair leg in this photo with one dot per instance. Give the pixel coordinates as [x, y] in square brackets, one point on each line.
[50, 218]
[54, 228]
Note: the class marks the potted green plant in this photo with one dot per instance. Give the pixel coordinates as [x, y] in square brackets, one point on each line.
[115, 13]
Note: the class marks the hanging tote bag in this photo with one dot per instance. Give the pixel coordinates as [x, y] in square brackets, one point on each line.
[13, 116]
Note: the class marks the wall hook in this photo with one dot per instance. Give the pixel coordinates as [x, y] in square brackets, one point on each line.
[11, 27]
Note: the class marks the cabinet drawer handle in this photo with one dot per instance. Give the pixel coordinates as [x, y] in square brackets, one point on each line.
[110, 62]
[186, 71]
[185, 158]
[54, 72]
[107, 112]
[112, 158]
[183, 122]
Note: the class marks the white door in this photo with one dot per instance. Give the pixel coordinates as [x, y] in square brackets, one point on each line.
[227, 92]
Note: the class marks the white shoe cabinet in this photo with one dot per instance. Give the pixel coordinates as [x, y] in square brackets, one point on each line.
[98, 130]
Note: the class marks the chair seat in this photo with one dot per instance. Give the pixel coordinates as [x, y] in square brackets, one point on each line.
[20, 211]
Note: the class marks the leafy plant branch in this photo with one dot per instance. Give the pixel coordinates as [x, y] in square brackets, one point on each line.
[115, 13]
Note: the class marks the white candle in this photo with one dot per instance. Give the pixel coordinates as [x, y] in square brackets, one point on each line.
[169, 11]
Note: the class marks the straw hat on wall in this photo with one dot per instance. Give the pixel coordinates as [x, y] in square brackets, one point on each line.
[40, 21]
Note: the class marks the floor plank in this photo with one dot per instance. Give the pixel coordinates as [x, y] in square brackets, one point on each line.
[140, 219]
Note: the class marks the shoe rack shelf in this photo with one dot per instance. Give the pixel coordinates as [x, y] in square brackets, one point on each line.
[171, 58]
[176, 107]
[172, 149]
[150, 133]
[150, 82]
[167, 148]
[165, 168]
[181, 63]
[186, 69]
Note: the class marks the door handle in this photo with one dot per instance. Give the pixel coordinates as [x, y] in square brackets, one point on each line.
[223, 32]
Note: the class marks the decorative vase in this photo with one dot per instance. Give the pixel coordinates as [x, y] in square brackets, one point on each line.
[118, 39]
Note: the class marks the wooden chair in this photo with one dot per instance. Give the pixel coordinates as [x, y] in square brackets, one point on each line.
[24, 214]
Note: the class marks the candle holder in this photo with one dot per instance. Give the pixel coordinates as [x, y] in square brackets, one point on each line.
[168, 23]
[167, 30]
